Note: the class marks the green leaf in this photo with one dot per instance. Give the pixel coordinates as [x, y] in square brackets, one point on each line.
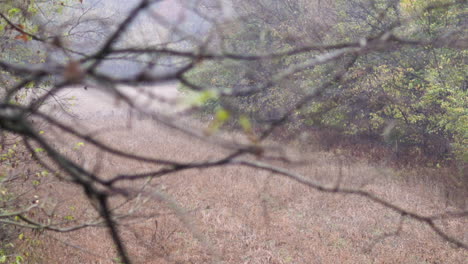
[69, 218]
[19, 259]
[30, 85]
[38, 150]
[245, 123]
[222, 115]
[13, 11]
[32, 9]
[78, 145]
[201, 98]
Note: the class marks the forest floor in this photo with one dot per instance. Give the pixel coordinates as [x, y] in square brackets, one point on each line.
[236, 214]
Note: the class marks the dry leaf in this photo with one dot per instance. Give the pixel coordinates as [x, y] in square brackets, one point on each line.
[73, 72]
[23, 37]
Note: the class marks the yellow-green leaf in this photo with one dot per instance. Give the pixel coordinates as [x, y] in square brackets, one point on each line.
[222, 115]
[245, 123]
[13, 11]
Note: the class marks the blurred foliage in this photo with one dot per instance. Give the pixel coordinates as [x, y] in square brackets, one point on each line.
[413, 98]
[20, 20]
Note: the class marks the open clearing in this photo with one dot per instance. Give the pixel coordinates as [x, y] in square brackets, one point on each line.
[235, 214]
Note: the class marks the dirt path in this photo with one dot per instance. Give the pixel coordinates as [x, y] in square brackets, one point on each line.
[92, 102]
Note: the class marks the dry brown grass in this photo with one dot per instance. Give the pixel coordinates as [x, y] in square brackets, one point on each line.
[241, 215]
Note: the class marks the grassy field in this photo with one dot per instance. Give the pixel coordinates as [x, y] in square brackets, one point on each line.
[240, 215]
